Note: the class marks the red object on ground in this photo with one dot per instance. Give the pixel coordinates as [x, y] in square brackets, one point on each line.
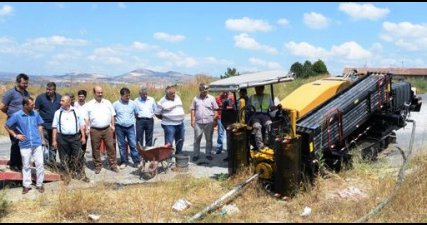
[14, 175]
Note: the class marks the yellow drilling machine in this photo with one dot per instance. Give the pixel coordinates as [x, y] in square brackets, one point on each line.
[315, 125]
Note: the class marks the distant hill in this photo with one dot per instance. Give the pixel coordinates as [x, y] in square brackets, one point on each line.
[149, 77]
[140, 76]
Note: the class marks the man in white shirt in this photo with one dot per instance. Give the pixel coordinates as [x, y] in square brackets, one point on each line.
[171, 112]
[101, 119]
[80, 105]
[68, 136]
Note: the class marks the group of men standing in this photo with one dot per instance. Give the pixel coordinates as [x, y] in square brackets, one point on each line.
[64, 126]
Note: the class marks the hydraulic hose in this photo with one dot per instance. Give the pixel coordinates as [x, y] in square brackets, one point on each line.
[215, 204]
[399, 181]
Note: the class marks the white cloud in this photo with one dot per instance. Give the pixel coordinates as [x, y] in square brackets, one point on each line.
[346, 51]
[363, 11]
[265, 64]
[67, 55]
[304, 49]
[283, 22]
[168, 37]
[214, 60]
[140, 45]
[178, 59]
[350, 50]
[409, 36]
[57, 40]
[246, 42]
[247, 24]
[121, 5]
[106, 55]
[316, 20]
[6, 10]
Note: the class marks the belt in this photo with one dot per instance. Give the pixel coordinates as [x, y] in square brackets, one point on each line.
[69, 135]
[145, 118]
[100, 128]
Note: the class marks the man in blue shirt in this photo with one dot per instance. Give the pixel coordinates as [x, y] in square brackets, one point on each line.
[28, 124]
[10, 104]
[125, 127]
[144, 120]
[47, 104]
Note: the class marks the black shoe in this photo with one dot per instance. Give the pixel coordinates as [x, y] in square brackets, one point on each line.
[15, 168]
[225, 159]
[25, 190]
[40, 189]
[195, 158]
[209, 157]
[218, 152]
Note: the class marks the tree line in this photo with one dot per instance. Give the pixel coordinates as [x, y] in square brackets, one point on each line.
[305, 70]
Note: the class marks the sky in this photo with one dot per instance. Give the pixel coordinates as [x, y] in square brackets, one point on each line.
[208, 37]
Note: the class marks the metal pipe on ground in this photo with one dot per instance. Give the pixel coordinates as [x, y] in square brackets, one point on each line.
[215, 204]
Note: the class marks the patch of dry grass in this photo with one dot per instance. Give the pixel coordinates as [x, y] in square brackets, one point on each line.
[153, 202]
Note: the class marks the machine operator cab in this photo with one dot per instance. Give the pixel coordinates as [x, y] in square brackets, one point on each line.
[242, 116]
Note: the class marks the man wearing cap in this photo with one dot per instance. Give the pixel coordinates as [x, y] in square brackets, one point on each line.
[203, 119]
[144, 121]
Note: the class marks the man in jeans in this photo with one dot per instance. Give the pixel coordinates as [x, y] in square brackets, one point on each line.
[29, 133]
[10, 104]
[125, 127]
[171, 112]
[203, 119]
[224, 101]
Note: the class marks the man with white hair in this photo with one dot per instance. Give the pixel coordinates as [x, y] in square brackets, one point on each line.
[144, 119]
[170, 110]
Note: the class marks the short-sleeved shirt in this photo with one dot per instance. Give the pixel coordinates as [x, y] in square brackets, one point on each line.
[13, 100]
[82, 109]
[68, 122]
[146, 107]
[221, 101]
[47, 108]
[204, 108]
[28, 126]
[125, 112]
[172, 111]
[100, 113]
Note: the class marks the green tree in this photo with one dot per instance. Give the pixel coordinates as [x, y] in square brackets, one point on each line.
[319, 67]
[297, 69]
[307, 70]
[231, 72]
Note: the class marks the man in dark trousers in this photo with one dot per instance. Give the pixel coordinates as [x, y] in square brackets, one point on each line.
[11, 103]
[68, 133]
[47, 104]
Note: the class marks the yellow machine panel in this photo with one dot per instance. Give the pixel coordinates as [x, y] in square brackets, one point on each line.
[310, 95]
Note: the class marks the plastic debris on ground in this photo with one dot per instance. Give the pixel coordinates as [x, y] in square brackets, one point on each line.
[229, 209]
[351, 192]
[94, 217]
[306, 212]
[181, 204]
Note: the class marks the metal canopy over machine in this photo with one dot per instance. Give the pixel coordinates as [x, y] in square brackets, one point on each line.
[235, 83]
